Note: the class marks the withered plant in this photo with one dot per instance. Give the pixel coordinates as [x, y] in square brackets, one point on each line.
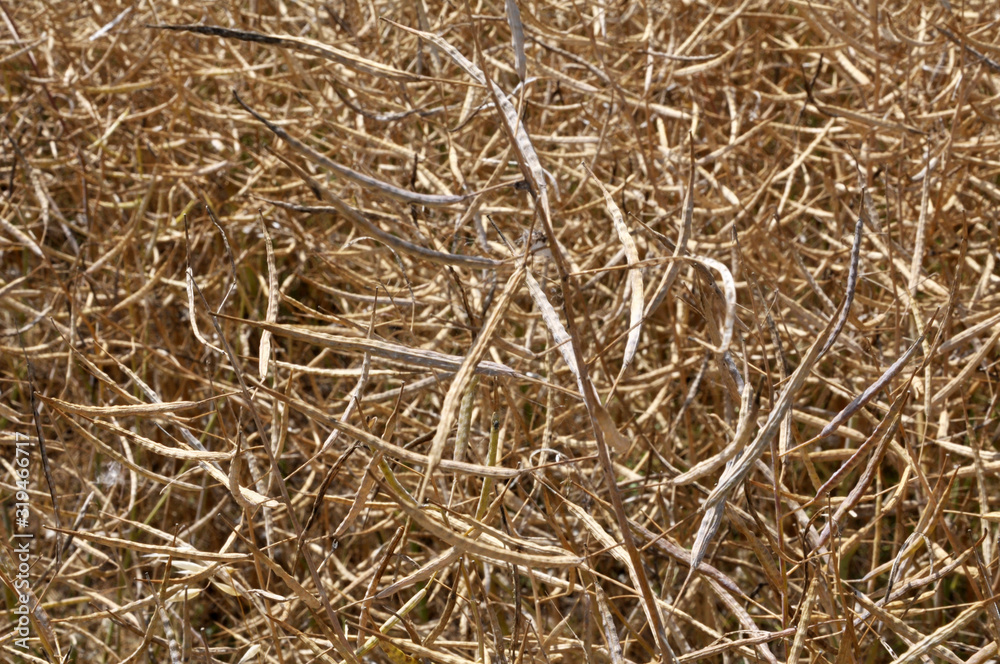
[499, 332]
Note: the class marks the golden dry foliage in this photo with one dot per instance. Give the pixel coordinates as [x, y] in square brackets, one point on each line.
[506, 331]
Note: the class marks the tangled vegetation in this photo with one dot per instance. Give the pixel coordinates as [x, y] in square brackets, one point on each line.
[499, 331]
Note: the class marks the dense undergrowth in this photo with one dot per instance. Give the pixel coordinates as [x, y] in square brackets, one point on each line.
[360, 331]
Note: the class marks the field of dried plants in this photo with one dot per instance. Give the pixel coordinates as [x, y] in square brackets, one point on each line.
[502, 332]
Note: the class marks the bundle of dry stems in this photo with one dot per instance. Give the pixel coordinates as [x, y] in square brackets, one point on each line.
[501, 331]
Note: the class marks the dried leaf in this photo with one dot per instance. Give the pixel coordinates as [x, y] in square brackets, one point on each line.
[302, 44]
[271, 316]
[870, 392]
[634, 277]
[517, 36]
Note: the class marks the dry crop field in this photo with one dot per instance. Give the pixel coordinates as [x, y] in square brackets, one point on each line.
[499, 331]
